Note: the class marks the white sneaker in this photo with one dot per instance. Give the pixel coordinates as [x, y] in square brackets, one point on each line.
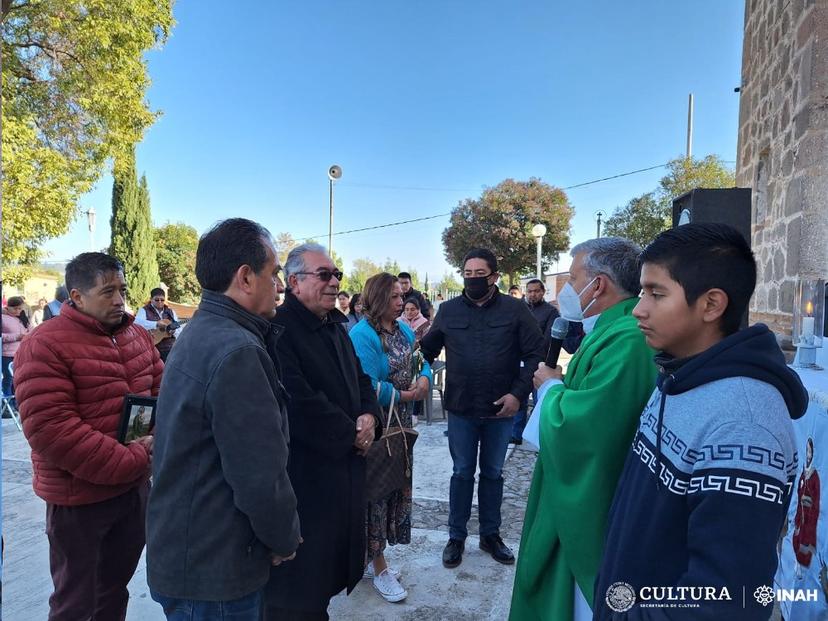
[387, 586]
[369, 571]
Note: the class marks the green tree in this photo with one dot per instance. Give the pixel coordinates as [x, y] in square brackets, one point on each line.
[449, 282]
[502, 220]
[362, 270]
[416, 282]
[640, 220]
[175, 247]
[685, 174]
[74, 80]
[391, 266]
[648, 215]
[133, 237]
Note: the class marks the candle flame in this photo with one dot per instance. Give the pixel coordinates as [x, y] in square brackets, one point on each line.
[809, 308]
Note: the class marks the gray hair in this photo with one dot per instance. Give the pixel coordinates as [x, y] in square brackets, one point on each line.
[614, 257]
[295, 262]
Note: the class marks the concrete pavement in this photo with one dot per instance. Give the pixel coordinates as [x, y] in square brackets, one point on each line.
[479, 589]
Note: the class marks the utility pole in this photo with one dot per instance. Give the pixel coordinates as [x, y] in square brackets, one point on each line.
[334, 173]
[690, 127]
[330, 216]
[538, 231]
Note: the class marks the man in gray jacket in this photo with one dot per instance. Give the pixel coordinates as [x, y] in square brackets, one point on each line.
[222, 509]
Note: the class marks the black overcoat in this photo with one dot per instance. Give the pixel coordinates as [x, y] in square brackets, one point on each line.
[327, 393]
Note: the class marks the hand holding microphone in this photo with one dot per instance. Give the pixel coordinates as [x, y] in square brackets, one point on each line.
[560, 327]
[549, 369]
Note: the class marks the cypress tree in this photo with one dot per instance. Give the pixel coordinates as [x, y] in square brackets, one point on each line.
[133, 234]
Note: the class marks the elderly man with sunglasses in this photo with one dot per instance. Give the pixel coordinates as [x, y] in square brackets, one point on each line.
[334, 417]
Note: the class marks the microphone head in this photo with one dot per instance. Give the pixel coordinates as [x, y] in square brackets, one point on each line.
[560, 327]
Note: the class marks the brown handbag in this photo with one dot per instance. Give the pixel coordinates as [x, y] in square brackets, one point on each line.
[388, 465]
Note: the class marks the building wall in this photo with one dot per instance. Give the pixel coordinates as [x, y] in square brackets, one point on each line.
[783, 148]
[36, 287]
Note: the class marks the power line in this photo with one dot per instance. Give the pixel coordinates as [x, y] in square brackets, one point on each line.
[404, 187]
[442, 215]
[384, 226]
[626, 174]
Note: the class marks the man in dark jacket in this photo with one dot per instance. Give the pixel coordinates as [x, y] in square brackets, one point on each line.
[410, 292]
[334, 417]
[486, 335]
[222, 509]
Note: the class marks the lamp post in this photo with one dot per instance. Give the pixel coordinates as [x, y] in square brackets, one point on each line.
[539, 230]
[599, 215]
[90, 220]
[334, 173]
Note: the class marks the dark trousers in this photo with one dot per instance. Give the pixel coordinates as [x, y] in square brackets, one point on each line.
[8, 386]
[466, 434]
[93, 552]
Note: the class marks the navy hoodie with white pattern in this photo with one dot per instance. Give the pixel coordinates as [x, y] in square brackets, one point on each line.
[705, 488]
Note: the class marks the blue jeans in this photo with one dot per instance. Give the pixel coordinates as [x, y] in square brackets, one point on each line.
[521, 418]
[465, 434]
[8, 386]
[245, 608]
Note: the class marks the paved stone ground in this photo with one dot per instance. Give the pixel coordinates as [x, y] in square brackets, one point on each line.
[479, 589]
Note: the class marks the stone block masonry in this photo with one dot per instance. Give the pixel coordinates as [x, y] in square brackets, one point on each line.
[783, 148]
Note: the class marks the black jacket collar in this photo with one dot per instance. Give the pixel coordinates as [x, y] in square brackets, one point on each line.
[492, 300]
[220, 304]
[312, 322]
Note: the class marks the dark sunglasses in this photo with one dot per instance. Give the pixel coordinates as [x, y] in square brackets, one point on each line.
[325, 275]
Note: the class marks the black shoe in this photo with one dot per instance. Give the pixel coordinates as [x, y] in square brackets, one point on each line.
[516, 441]
[494, 545]
[453, 553]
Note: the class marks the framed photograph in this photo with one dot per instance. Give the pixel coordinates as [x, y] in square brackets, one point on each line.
[137, 419]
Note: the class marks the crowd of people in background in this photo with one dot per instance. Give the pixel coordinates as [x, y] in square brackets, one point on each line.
[266, 498]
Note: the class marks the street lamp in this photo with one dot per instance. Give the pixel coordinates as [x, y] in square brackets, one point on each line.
[334, 173]
[90, 220]
[538, 231]
[599, 215]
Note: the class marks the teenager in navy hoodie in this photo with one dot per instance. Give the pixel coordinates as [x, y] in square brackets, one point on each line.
[701, 500]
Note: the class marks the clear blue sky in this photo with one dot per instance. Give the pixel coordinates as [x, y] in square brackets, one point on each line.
[260, 98]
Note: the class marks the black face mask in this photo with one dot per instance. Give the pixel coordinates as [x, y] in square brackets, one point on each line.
[476, 287]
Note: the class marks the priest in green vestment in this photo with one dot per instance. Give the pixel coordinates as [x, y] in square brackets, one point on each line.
[586, 421]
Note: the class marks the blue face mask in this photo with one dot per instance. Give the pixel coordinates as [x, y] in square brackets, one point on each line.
[589, 323]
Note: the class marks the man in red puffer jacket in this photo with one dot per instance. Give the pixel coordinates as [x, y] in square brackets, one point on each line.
[72, 375]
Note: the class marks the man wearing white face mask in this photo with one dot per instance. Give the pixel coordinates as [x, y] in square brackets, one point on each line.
[585, 425]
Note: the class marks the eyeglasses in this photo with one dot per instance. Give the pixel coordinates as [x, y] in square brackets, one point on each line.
[324, 275]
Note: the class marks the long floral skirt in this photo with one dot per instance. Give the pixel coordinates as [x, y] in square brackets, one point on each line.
[388, 521]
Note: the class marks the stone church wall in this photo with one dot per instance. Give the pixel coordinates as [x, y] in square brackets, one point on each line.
[783, 148]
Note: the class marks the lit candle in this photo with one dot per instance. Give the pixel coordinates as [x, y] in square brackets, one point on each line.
[808, 329]
[808, 324]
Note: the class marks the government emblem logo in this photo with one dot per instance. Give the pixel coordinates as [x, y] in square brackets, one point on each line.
[763, 595]
[620, 597]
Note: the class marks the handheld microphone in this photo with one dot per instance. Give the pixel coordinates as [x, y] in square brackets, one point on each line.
[560, 327]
